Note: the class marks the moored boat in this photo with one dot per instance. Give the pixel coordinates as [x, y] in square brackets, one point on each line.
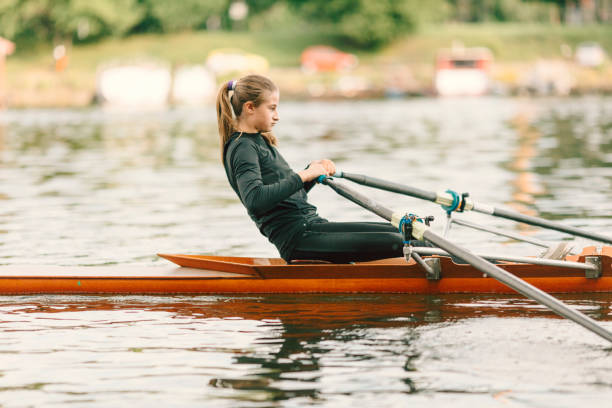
[463, 71]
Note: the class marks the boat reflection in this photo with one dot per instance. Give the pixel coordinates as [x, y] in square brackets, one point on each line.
[321, 312]
[285, 345]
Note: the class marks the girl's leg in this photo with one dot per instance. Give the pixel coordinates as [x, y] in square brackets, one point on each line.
[351, 227]
[343, 242]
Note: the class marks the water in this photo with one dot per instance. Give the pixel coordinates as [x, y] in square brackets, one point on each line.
[320, 350]
[94, 187]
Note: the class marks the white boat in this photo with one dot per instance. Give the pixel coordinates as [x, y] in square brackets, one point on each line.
[138, 85]
[462, 71]
[193, 85]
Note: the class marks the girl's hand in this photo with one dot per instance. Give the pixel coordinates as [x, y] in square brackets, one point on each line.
[329, 166]
[314, 170]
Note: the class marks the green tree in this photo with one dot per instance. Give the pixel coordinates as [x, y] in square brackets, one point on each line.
[82, 19]
[44, 20]
[19, 18]
[184, 14]
[507, 10]
[371, 23]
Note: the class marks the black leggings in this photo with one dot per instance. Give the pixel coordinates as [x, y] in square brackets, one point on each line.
[343, 242]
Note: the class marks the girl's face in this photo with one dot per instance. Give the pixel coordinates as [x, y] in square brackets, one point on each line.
[265, 116]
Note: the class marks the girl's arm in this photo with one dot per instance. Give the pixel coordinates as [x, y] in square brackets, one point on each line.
[257, 197]
[308, 185]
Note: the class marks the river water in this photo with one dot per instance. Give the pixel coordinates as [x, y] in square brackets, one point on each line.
[101, 187]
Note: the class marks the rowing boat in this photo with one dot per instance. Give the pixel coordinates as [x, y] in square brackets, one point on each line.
[422, 270]
[208, 274]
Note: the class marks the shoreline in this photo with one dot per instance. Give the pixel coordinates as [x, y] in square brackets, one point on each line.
[48, 89]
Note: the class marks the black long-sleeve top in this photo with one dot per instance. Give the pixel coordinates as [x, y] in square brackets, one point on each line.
[273, 194]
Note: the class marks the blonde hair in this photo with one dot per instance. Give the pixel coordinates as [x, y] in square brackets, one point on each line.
[249, 88]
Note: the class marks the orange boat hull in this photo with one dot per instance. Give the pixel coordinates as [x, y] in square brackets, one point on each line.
[237, 285]
[232, 275]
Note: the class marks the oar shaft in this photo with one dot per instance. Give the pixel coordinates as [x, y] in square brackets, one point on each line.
[445, 199]
[389, 186]
[519, 285]
[540, 222]
[359, 199]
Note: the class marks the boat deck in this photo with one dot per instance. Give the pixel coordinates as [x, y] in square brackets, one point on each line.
[110, 272]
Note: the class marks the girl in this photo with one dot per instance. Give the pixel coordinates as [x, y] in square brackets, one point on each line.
[274, 195]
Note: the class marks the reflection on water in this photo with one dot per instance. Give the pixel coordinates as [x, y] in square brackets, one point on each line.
[322, 350]
[525, 183]
[579, 141]
[82, 187]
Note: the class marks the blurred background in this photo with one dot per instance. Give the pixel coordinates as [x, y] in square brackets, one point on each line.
[77, 53]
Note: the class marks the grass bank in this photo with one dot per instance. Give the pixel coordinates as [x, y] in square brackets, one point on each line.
[508, 42]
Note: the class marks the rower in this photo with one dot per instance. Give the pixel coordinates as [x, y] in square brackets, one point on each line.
[275, 196]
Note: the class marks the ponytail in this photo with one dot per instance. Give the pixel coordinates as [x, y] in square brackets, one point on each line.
[248, 88]
[225, 121]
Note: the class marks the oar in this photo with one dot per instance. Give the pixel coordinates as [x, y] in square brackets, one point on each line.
[421, 231]
[452, 200]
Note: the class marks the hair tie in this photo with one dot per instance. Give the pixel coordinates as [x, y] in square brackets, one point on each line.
[231, 85]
